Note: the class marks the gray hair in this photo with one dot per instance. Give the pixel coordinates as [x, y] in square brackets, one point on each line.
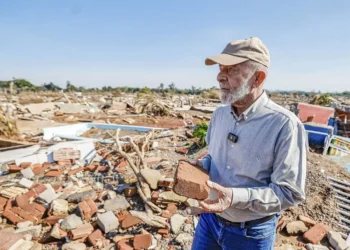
[256, 66]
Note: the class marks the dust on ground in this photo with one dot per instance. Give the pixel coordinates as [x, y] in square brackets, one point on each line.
[320, 203]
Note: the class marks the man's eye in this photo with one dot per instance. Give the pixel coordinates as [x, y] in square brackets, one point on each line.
[231, 69]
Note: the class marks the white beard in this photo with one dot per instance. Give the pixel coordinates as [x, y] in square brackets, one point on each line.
[235, 94]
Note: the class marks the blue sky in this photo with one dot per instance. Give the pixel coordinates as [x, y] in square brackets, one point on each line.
[144, 43]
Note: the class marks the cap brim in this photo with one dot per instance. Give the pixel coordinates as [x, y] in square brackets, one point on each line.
[224, 59]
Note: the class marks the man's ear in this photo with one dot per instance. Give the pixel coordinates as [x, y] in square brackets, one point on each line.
[260, 77]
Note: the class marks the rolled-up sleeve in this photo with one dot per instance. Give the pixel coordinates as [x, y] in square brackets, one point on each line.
[287, 179]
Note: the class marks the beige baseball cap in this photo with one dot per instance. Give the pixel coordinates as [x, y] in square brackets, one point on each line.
[239, 51]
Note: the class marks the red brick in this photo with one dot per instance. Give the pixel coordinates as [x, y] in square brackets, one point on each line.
[81, 231]
[24, 214]
[39, 188]
[190, 181]
[164, 232]
[125, 245]
[130, 221]
[153, 160]
[172, 208]
[142, 241]
[53, 173]
[47, 164]
[155, 197]
[123, 163]
[102, 169]
[316, 233]
[96, 237]
[14, 169]
[167, 183]
[25, 164]
[87, 209]
[75, 171]
[3, 202]
[181, 151]
[52, 220]
[8, 214]
[22, 201]
[65, 163]
[166, 214]
[38, 171]
[122, 215]
[91, 168]
[36, 165]
[9, 204]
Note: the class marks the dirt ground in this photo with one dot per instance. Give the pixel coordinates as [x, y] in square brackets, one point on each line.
[320, 203]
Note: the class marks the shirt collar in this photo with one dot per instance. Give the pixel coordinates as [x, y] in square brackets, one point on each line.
[259, 103]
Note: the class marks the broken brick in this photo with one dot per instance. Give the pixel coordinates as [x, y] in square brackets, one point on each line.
[52, 220]
[142, 241]
[164, 232]
[36, 165]
[81, 231]
[87, 208]
[3, 202]
[53, 173]
[172, 208]
[191, 181]
[166, 182]
[14, 169]
[130, 221]
[64, 163]
[125, 245]
[122, 215]
[24, 165]
[91, 168]
[316, 233]
[181, 151]
[75, 171]
[96, 237]
[155, 197]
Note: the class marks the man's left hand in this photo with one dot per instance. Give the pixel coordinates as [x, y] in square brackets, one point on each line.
[224, 200]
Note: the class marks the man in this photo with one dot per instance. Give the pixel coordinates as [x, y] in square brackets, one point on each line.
[256, 159]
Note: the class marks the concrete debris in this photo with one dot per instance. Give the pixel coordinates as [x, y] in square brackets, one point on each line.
[107, 221]
[117, 204]
[63, 183]
[296, 227]
[176, 222]
[71, 222]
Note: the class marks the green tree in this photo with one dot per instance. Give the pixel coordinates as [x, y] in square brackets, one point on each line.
[51, 86]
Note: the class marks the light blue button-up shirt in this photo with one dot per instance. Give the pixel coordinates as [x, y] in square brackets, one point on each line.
[266, 167]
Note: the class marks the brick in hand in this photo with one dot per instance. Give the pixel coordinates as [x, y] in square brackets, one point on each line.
[190, 181]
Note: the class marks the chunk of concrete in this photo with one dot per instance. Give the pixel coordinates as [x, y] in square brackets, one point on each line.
[296, 227]
[71, 222]
[151, 176]
[79, 197]
[176, 222]
[190, 181]
[107, 221]
[33, 230]
[336, 240]
[48, 195]
[24, 182]
[74, 246]
[59, 207]
[27, 173]
[117, 204]
[184, 238]
[24, 224]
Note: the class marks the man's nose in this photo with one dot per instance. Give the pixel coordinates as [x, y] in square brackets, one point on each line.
[221, 77]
